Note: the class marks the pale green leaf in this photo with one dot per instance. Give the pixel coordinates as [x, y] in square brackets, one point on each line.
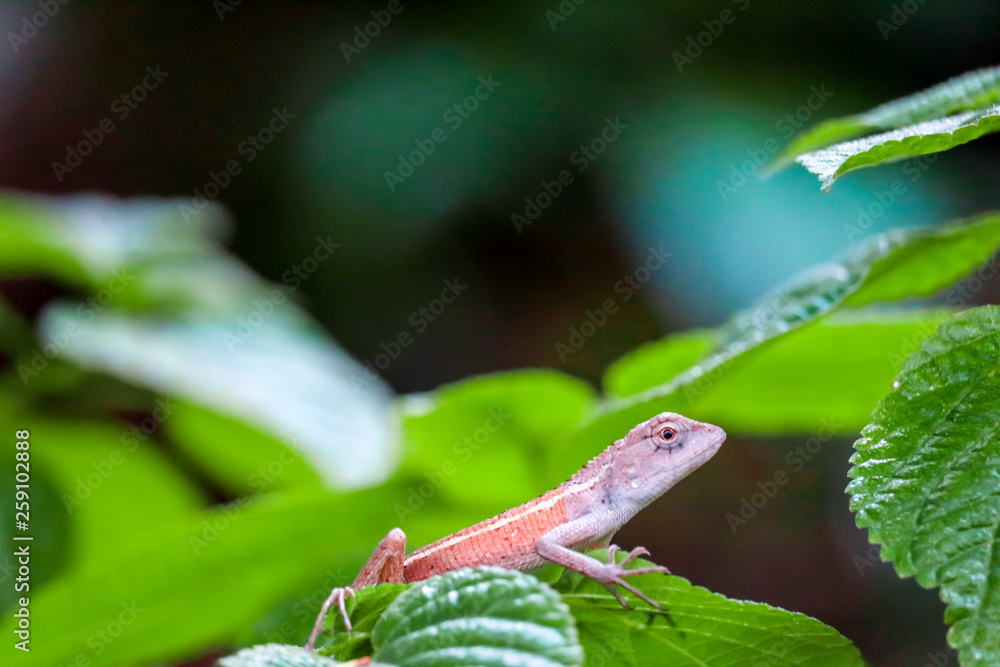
[931, 136]
[972, 90]
[295, 385]
[90, 240]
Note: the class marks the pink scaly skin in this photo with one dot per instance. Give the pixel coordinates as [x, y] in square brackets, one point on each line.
[584, 513]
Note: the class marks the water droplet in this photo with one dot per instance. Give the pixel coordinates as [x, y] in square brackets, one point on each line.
[635, 485]
[895, 385]
[632, 472]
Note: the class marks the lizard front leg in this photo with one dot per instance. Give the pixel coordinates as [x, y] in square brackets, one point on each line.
[556, 546]
[384, 567]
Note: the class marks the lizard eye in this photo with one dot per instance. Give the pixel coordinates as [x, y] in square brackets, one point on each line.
[668, 434]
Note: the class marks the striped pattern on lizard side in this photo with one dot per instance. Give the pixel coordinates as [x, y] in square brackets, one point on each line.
[506, 540]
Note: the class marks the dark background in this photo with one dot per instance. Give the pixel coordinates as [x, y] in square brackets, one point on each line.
[658, 183]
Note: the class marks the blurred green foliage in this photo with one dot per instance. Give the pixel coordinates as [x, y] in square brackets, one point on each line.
[219, 420]
[208, 461]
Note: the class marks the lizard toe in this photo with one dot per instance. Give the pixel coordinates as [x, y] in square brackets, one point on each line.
[646, 570]
[639, 594]
[635, 553]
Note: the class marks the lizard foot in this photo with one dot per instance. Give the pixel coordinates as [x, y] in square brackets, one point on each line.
[613, 575]
[338, 596]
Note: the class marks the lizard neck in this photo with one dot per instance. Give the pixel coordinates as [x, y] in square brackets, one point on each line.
[595, 486]
[598, 469]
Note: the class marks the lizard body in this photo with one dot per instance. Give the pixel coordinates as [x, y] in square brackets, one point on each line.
[585, 512]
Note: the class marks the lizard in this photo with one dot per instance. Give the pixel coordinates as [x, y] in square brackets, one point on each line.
[583, 513]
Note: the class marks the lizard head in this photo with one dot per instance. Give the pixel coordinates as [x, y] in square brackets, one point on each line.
[661, 451]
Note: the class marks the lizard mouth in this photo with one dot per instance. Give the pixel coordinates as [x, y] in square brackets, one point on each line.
[716, 434]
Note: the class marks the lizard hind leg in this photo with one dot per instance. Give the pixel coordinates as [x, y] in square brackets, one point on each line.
[384, 567]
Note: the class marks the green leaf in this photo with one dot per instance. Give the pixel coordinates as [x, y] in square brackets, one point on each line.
[932, 136]
[925, 478]
[970, 91]
[295, 385]
[828, 374]
[486, 441]
[695, 627]
[481, 616]
[893, 266]
[918, 262]
[276, 655]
